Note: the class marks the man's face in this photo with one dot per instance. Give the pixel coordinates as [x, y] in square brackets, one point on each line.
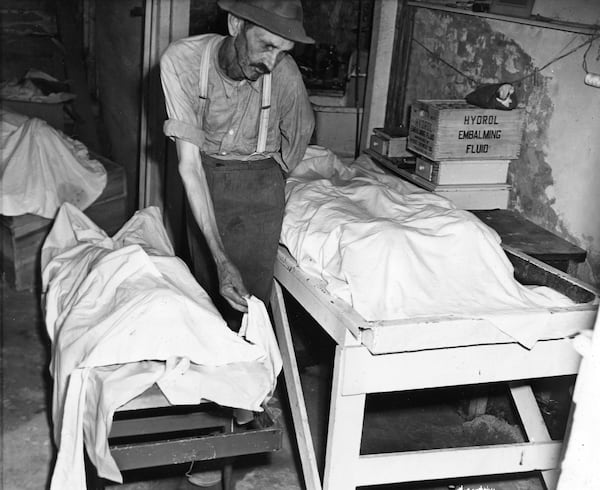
[259, 51]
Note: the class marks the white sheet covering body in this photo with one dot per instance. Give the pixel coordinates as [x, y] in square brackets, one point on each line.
[394, 251]
[123, 313]
[41, 168]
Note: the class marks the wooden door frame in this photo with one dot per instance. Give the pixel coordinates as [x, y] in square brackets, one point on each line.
[388, 67]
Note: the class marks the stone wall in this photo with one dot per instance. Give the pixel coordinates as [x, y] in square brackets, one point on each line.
[556, 178]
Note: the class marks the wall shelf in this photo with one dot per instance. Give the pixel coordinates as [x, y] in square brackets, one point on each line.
[531, 21]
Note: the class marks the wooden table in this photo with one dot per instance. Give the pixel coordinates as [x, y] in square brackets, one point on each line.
[359, 371]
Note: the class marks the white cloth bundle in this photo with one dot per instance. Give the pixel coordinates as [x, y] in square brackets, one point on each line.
[27, 89]
[123, 313]
[41, 168]
[394, 251]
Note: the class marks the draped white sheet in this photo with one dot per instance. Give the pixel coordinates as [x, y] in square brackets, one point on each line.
[123, 313]
[41, 168]
[394, 251]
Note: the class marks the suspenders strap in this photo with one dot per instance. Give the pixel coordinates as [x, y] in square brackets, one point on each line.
[265, 106]
[263, 127]
[203, 82]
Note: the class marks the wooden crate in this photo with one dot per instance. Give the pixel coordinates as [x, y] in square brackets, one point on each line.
[456, 130]
[23, 236]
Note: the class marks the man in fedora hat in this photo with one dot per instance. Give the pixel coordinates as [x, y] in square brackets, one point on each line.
[240, 118]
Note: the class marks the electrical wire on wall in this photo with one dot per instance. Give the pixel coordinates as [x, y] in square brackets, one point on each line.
[590, 78]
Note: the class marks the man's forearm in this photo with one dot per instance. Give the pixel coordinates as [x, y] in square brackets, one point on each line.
[198, 194]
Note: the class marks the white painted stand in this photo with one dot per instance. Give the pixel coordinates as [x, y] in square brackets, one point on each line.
[358, 372]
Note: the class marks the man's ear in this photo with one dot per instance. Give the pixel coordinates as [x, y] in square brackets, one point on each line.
[234, 25]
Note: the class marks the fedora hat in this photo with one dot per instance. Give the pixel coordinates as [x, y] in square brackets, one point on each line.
[281, 17]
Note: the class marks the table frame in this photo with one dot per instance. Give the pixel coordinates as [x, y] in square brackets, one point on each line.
[358, 372]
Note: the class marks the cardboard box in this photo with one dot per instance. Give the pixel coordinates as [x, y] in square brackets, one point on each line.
[389, 146]
[463, 171]
[456, 130]
[470, 196]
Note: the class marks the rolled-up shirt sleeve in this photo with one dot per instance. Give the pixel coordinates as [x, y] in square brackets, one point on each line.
[178, 83]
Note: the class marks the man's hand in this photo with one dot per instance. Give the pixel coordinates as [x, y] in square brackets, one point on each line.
[231, 286]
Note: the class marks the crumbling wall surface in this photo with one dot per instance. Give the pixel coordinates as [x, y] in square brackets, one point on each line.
[557, 176]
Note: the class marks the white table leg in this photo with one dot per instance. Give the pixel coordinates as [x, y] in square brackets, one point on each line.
[294, 391]
[533, 423]
[346, 417]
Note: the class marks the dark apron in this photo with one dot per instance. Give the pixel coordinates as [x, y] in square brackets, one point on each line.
[249, 200]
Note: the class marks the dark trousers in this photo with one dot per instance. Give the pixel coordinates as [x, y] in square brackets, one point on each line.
[249, 200]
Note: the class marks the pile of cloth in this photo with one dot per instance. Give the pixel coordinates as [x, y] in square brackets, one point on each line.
[36, 86]
[394, 251]
[124, 313]
[42, 168]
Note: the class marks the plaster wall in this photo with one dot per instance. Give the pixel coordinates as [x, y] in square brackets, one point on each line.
[557, 176]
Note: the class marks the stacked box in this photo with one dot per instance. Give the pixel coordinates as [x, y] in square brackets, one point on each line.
[456, 130]
[464, 151]
[457, 172]
[470, 196]
[390, 146]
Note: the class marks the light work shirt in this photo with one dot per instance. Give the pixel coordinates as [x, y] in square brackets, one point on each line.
[229, 124]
